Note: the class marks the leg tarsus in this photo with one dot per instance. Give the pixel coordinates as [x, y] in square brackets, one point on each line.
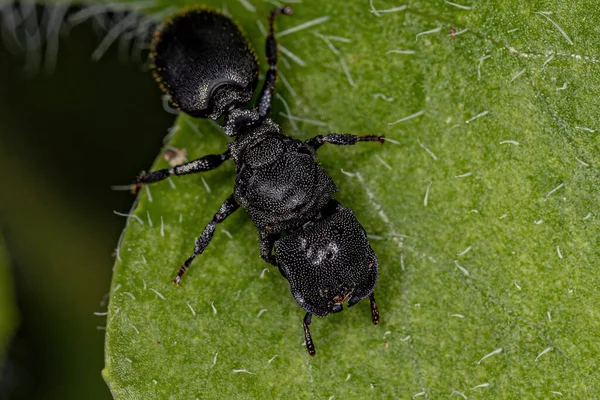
[227, 208]
[266, 94]
[201, 164]
[342, 139]
[184, 267]
[374, 309]
[310, 346]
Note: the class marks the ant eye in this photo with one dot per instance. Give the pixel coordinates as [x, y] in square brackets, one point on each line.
[332, 251]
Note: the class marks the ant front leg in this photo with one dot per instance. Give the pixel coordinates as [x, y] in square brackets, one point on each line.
[266, 94]
[227, 208]
[374, 309]
[310, 346]
[205, 163]
[342, 139]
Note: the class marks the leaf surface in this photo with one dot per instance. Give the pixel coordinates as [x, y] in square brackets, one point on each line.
[482, 209]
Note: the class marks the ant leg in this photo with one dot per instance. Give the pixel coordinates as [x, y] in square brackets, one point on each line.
[374, 309]
[342, 139]
[333, 206]
[227, 208]
[310, 346]
[266, 248]
[266, 94]
[205, 163]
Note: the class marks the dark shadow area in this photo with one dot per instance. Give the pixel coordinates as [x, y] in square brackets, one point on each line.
[65, 138]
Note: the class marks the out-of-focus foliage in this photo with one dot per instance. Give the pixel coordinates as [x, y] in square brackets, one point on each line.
[58, 128]
[8, 311]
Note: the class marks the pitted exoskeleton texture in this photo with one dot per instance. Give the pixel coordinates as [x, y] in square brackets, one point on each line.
[328, 262]
[279, 180]
[204, 63]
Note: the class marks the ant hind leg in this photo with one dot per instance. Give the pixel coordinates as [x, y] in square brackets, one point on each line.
[268, 89]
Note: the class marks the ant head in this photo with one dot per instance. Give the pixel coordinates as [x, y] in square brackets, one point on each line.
[202, 60]
[328, 263]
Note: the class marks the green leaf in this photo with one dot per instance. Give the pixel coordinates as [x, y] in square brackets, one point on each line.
[8, 309]
[483, 213]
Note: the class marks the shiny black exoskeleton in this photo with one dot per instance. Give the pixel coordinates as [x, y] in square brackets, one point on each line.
[203, 62]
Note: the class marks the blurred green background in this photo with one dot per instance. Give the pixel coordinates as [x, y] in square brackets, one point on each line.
[66, 136]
